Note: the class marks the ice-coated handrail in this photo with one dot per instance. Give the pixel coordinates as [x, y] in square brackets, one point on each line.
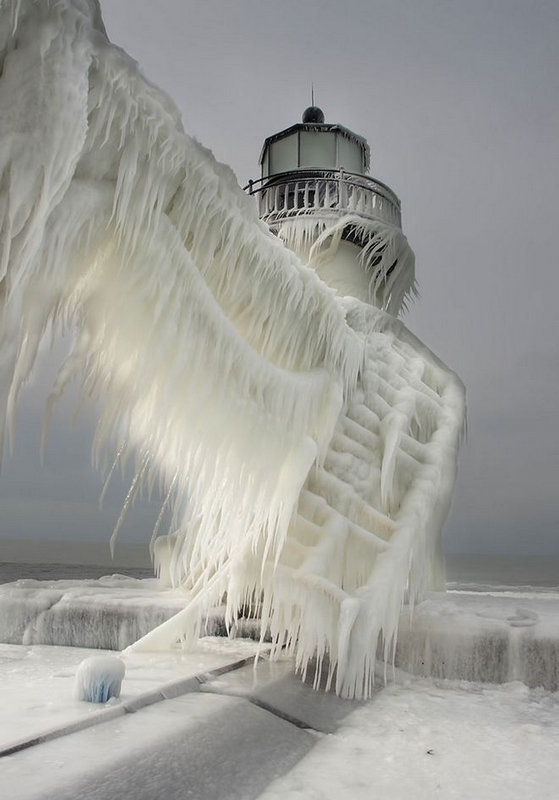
[320, 191]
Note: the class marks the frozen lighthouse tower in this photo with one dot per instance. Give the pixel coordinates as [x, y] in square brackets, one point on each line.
[366, 536]
[304, 438]
[316, 194]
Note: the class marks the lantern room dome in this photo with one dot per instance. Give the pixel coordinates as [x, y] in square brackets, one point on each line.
[313, 114]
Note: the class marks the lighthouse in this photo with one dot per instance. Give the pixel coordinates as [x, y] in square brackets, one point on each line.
[315, 192]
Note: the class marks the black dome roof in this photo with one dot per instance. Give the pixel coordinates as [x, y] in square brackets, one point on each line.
[313, 114]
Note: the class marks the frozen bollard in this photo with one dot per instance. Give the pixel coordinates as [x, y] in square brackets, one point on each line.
[99, 678]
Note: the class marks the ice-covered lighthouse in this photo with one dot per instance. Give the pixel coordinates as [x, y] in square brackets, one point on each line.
[315, 192]
[313, 434]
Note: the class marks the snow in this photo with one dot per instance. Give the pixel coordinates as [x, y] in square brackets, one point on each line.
[36, 691]
[198, 746]
[110, 613]
[183, 743]
[427, 739]
[305, 443]
[413, 738]
[495, 637]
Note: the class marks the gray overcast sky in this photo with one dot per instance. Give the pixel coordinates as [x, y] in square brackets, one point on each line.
[460, 104]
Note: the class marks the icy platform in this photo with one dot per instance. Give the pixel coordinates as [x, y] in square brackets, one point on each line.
[487, 637]
[108, 613]
[211, 726]
[475, 636]
[208, 724]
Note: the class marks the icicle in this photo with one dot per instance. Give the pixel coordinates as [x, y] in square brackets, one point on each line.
[385, 255]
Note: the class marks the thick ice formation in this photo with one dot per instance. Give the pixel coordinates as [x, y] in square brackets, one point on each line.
[99, 679]
[317, 241]
[315, 439]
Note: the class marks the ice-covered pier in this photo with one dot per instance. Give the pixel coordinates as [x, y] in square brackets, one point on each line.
[217, 724]
[482, 637]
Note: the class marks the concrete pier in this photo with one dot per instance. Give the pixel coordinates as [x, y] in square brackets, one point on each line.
[493, 638]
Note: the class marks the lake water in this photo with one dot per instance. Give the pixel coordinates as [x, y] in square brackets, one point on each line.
[499, 573]
[464, 572]
[10, 571]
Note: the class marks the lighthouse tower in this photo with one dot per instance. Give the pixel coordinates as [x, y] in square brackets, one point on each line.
[316, 194]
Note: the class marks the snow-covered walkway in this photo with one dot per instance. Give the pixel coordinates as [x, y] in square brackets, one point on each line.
[201, 725]
[249, 733]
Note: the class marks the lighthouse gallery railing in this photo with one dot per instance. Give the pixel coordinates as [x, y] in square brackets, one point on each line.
[331, 192]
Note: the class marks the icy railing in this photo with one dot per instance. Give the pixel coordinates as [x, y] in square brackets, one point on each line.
[290, 194]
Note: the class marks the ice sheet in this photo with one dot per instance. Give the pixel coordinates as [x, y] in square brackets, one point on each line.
[425, 739]
[415, 738]
[111, 612]
[497, 637]
[36, 690]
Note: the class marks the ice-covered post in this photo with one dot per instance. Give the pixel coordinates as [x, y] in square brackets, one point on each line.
[98, 679]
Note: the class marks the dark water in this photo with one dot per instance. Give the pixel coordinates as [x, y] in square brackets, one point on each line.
[464, 572]
[488, 572]
[56, 572]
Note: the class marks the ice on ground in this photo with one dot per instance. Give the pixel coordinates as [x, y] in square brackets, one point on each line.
[206, 747]
[429, 739]
[37, 681]
[108, 613]
[416, 738]
[471, 636]
[497, 638]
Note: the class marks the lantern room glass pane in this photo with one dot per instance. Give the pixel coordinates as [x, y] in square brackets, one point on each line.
[283, 155]
[318, 149]
[350, 155]
[265, 169]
